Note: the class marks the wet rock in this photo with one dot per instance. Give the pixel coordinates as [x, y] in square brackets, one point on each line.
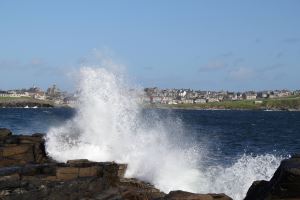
[181, 195]
[21, 149]
[139, 190]
[285, 184]
[78, 161]
[59, 180]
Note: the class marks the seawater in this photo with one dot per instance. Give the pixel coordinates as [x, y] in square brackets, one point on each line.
[237, 144]
[193, 150]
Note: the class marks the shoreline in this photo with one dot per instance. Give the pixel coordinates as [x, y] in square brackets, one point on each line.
[185, 107]
[286, 104]
[163, 107]
[276, 104]
[28, 103]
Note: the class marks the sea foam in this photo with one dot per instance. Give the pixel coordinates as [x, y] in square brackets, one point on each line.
[109, 126]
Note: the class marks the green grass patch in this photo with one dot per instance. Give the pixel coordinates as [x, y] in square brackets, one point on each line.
[277, 104]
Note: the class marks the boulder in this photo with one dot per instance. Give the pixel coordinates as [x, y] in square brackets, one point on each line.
[21, 149]
[285, 184]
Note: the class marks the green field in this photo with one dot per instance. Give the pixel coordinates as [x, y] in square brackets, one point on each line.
[288, 103]
[23, 101]
[15, 98]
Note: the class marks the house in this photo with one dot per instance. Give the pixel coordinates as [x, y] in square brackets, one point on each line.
[197, 101]
[3, 94]
[174, 102]
[262, 95]
[187, 101]
[166, 100]
[156, 99]
[239, 96]
[40, 96]
[53, 92]
[231, 96]
[70, 100]
[249, 95]
[212, 99]
[13, 93]
[284, 93]
[182, 93]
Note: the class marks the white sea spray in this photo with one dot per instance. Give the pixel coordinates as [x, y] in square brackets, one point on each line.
[109, 126]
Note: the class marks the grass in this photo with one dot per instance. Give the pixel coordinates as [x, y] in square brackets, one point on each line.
[22, 100]
[288, 103]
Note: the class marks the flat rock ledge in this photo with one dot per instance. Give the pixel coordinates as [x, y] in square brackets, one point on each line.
[26, 172]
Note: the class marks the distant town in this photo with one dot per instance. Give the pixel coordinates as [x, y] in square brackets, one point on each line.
[156, 95]
[53, 94]
[188, 96]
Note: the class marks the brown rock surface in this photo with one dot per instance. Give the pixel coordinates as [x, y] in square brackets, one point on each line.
[18, 150]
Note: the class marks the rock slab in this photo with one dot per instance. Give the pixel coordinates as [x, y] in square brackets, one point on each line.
[18, 150]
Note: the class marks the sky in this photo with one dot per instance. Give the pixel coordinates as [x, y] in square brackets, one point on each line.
[209, 45]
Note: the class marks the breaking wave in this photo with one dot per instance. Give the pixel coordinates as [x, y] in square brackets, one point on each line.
[109, 126]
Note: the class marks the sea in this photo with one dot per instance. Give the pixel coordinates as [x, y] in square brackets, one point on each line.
[236, 146]
[228, 132]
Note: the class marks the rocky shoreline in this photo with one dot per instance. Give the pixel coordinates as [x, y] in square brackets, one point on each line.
[27, 172]
[19, 103]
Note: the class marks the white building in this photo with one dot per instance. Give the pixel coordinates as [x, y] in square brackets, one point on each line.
[200, 101]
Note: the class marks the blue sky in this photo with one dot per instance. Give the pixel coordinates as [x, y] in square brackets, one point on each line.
[209, 45]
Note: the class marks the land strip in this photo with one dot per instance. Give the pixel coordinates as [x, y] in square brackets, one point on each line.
[287, 103]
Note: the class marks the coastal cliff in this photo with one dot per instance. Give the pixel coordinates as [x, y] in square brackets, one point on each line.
[27, 172]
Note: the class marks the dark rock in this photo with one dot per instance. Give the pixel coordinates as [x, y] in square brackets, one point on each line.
[78, 161]
[181, 195]
[62, 181]
[7, 181]
[285, 184]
